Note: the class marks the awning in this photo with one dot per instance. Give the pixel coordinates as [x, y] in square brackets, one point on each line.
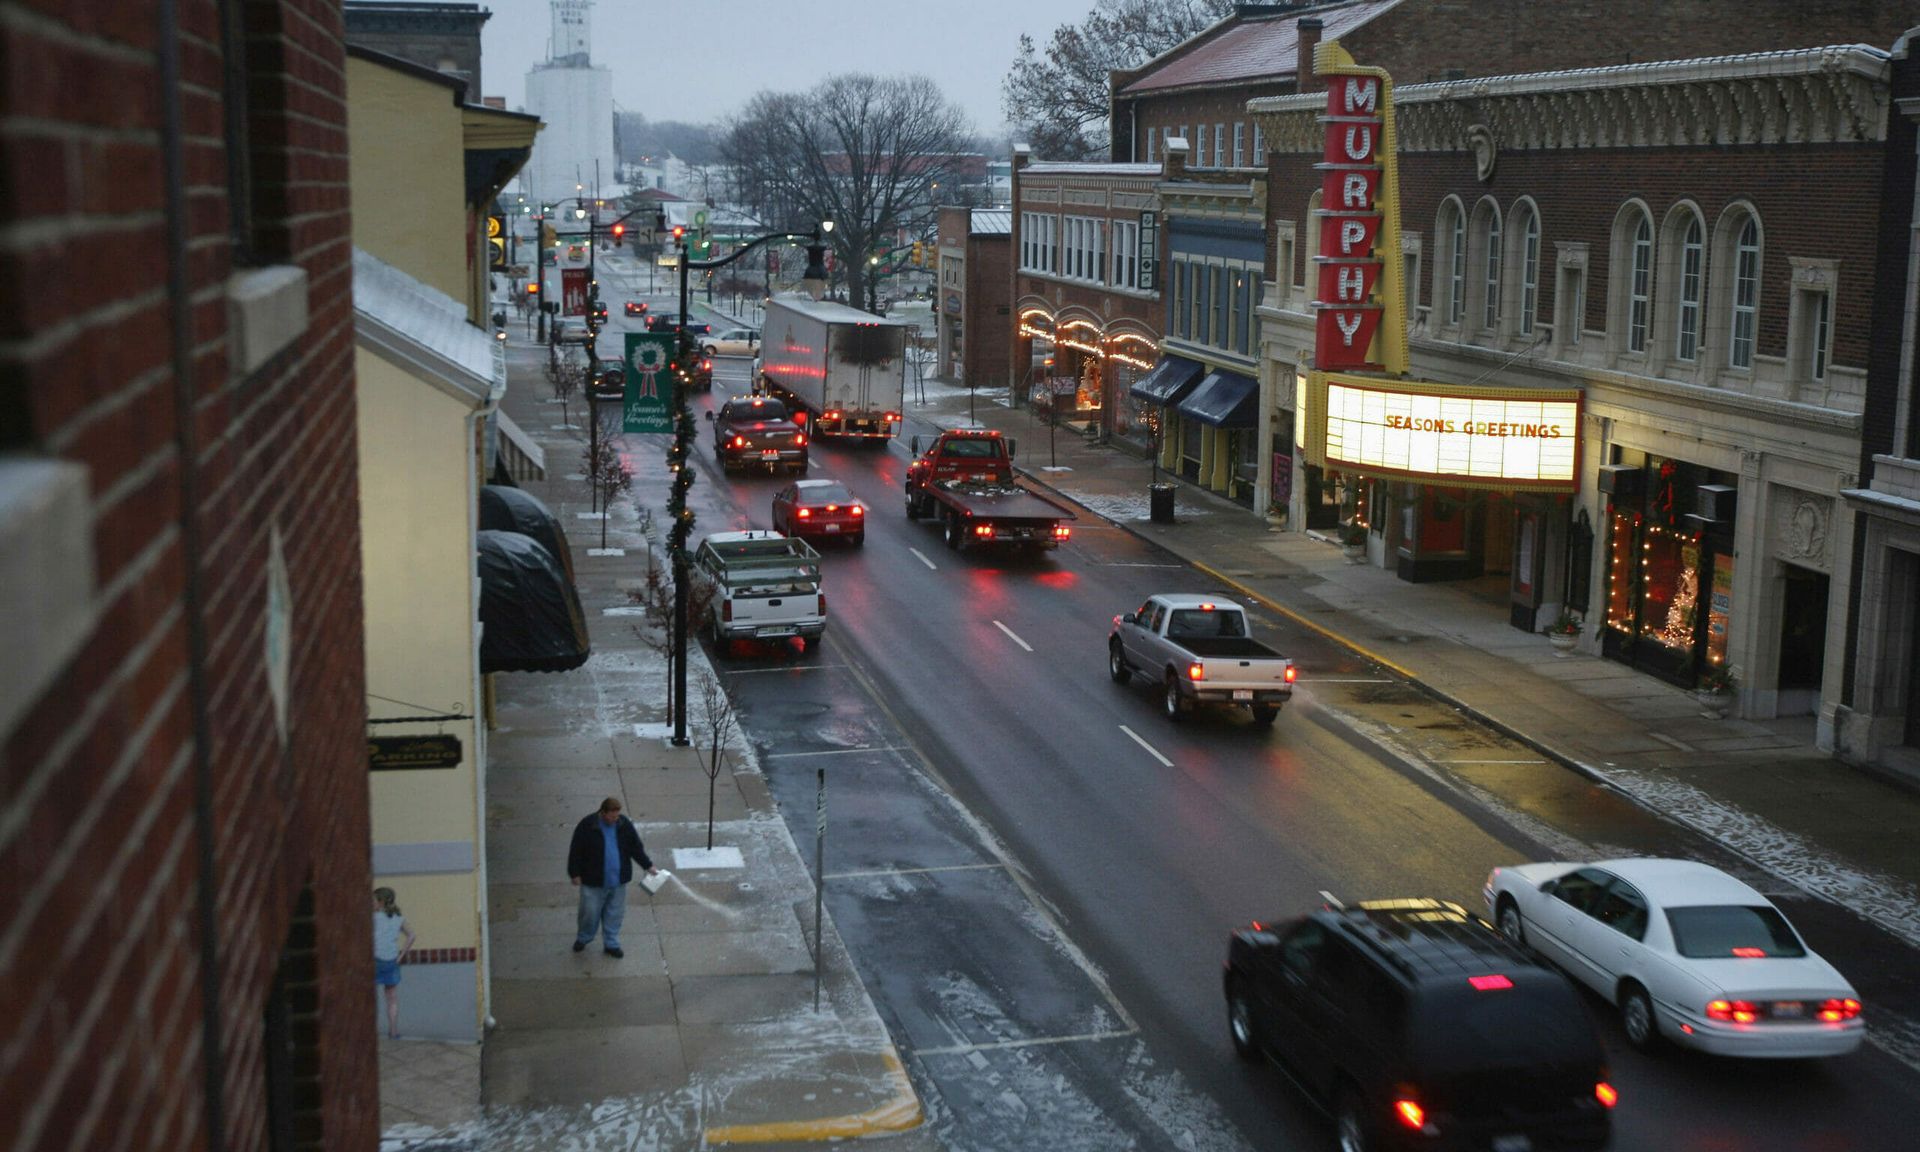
[509, 509]
[530, 612]
[1224, 400]
[1168, 382]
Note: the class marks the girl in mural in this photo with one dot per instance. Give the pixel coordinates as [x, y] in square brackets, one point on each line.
[392, 940]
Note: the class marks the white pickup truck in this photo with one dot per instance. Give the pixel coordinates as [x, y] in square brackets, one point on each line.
[1200, 650]
[765, 587]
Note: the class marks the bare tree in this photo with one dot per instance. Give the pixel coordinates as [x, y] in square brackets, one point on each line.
[1059, 96]
[566, 375]
[862, 151]
[718, 723]
[606, 468]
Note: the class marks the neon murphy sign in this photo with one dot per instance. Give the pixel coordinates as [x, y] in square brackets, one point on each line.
[1359, 321]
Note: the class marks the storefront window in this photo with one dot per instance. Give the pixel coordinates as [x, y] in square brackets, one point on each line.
[1669, 588]
[1669, 584]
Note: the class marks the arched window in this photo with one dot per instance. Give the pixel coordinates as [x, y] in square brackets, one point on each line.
[1746, 294]
[1490, 306]
[1640, 285]
[1686, 328]
[1529, 268]
[1450, 263]
[1313, 242]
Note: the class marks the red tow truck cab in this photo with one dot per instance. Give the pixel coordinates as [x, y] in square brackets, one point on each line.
[965, 480]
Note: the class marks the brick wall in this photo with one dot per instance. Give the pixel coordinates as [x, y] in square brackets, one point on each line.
[988, 323]
[100, 876]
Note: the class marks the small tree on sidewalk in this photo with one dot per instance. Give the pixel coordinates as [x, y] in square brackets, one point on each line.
[719, 724]
[566, 375]
[606, 468]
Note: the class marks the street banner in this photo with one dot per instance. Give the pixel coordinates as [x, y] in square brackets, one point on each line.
[649, 393]
[573, 291]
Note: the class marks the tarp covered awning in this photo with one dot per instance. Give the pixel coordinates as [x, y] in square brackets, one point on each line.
[1224, 399]
[1168, 382]
[531, 613]
[509, 509]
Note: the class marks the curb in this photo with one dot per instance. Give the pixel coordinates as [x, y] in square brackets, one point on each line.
[901, 1113]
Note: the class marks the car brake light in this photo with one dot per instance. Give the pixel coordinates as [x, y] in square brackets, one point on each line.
[1733, 1011]
[1410, 1113]
[1206, 607]
[984, 531]
[805, 513]
[832, 415]
[739, 441]
[893, 417]
[1061, 531]
[1489, 983]
[823, 603]
[1606, 1093]
[800, 439]
[1196, 671]
[859, 510]
[1292, 673]
[706, 365]
[726, 611]
[1750, 953]
[1835, 1011]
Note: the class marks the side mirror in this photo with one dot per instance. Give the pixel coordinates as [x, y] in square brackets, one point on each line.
[1129, 618]
[709, 417]
[913, 445]
[1012, 447]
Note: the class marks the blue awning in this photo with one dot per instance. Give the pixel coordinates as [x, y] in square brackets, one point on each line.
[1170, 379]
[1224, 400]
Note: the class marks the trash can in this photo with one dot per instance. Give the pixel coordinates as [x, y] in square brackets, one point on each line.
[1160, 503]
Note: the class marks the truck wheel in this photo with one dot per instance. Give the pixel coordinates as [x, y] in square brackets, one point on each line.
[913, 507]
[1263, 714]
[1171, 702]
[953, 531]
[1117, 663]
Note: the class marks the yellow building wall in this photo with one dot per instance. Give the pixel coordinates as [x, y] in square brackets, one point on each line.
[405, 145]
[416, 468]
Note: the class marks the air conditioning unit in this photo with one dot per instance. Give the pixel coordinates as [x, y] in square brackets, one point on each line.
[1626, 483]
[1715, 501]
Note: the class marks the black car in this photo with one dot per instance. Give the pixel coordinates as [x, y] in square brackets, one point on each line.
[636, 307]
[1419, 1026]
[607, 379]
[668, 321]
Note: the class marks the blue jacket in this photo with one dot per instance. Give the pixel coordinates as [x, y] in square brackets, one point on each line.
[586, 858]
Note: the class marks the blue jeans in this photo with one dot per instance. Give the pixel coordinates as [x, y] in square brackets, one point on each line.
[602, 908]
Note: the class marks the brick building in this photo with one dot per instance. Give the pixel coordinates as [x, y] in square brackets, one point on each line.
[1669, 247]
[443, 37]
[185, 906]
[973, 268]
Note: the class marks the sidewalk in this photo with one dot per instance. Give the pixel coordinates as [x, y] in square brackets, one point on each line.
[706, 1032]
[1759, 787]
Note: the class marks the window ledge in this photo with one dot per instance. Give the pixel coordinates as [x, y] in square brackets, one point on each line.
[266, 311]
[47, 602]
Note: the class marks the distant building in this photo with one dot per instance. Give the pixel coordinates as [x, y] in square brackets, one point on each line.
[574, 155]
[970, 304]
[443, 37]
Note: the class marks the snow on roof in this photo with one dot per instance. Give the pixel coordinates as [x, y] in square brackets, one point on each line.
[1261, 48]
[991, 222]
[1087, 168]
[423, 326]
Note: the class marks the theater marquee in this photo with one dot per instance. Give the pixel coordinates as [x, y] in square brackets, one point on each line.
[1455, 436]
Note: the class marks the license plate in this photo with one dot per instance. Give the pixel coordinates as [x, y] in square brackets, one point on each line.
[1789, 1009]
[833, 527]
[770, 632]
[1243, 693]
[1519, 1142]
[770, 454]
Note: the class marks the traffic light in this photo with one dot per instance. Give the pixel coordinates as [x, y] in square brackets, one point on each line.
[918, 253]
[619, 235]
[679, 233]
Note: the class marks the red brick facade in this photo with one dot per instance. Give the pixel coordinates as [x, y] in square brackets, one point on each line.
[155, 748]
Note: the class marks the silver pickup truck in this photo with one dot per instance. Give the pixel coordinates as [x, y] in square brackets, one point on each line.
[1200, 650]
[765, 587]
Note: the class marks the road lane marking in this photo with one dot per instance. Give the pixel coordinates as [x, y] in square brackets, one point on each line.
[914, 871]
[1001, 1045]
[1011, 636]
[835, 752]
[1326, 680]
[923, 559]
[1490, 761]
[1151, 750]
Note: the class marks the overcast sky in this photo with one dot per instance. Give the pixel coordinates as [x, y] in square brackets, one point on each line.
[700, 60]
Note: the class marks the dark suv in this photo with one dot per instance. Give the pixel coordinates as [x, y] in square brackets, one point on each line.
[668, 322]
[1420, 1027]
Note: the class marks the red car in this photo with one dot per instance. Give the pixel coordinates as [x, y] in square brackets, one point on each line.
[636, 308]
[821, 508]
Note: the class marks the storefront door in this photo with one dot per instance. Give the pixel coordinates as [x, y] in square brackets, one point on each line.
[1803, 640]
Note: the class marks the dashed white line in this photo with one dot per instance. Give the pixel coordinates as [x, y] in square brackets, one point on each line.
[1490, 761]
[1011, 636]
[1001, 1045]
[833, 752]
[923, 559]
[915, 871]
[1151, 750]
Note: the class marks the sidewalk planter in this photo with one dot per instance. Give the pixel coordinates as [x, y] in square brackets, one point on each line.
[1715, 704]
[1563, 642]
[1355, 553]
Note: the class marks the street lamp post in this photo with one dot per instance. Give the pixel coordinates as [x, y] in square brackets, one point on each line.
[814, 280]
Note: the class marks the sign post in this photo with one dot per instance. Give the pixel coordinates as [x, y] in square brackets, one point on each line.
[819, 879]
[648, 388]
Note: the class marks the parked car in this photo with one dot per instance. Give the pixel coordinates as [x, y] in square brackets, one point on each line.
[764, 586]
[1686, 952]
[757, 430]
[822, 508]
[732, 342]
[607, 379]
[636, 307]
[572, 330]
[1419, 1027]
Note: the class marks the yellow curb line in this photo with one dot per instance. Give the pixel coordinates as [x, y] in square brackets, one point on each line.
[1311, 625]
[899, 1114]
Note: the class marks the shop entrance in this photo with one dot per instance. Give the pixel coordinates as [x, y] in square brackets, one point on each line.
[1803, 640]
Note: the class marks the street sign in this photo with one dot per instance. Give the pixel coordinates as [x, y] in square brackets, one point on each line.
[400, 753]
[649, 390]
[573, 291]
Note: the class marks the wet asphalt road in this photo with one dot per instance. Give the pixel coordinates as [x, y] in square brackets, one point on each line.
[1036, 871]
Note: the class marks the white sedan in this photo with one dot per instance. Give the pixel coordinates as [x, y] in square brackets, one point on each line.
[1687, 953]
